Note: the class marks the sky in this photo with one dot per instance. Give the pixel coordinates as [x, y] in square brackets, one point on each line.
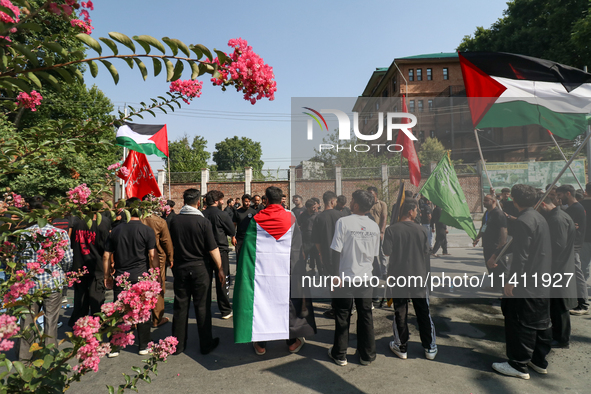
[316, 49]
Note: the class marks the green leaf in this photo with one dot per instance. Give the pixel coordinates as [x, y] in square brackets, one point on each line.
[111, 389]
[144, 45]
[93, 68]
[32, 26]
[19, 83]
[151, 41]
[157, 66]
[142, 68]
[7, 11]
[148, 379]
[38, 363]
[163, 110]
[20, 368]
[129, 61]
[111, 44]
[221, 56]
[88, 221]
[173, 46]
[178, 70]
[151, 112]
[51, 79]
[127, 215]
[99, 218]
[194, 70]
[136, 370]
[205, 51]
[169, 69]
[202, 69]
[196, 50]
[123, 39]
[79, 75]
[57, 48]
[91, 42]
[182, 46]
[47, 360]
[65, 75]
[112, 70]
[26, 52]
[33, 78]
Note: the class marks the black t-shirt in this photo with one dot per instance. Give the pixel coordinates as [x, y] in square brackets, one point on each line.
[298, 211]
[193, 239]
[221, 225]
[587, 205]
[578, 215]
[230, 212]
[492, 223]
[425, 212]
[88, 245]
[169, 218]
[242, 218]
[63, 223]
[435, 217]
[306, 222]
[345, 211]
[130, 243]
[323, 233]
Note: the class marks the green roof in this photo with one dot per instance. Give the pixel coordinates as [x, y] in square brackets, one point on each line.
[382, 69]
[440, 55]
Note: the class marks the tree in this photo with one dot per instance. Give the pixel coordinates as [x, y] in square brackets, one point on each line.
[233, 154]
[431, 150]
[555, 30]
[185, 157]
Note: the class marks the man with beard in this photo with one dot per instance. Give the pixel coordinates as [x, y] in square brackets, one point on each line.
[241, 219]
[526, 307]
[256, 202]
[230, 208]
[306, 223]
[223, 228]
[562, 236]
[494, 235]
[298, 203]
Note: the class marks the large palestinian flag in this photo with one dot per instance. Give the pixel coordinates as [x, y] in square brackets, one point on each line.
[149, 139]
[262, 287]
[506, 89]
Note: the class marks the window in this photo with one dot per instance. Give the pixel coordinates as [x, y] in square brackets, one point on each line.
[419, 74]
[365, 120]
[429, 74]
[377, 105]
[420, 103]
[395, 108]
[445, 73]
[432, 133]
[422, 136]
[385, 93]
[411, 74]
[411, 106]
[430, 103]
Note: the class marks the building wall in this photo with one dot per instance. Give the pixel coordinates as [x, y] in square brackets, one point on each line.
[230, 189]
[260, 187]
[309, 189]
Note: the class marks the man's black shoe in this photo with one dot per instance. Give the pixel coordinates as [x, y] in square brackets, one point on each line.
[329, 314]
[560, 345]
[214, 344]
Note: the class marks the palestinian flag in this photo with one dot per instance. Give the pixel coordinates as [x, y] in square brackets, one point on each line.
[262, 286]
[506, 89]
[150, 139]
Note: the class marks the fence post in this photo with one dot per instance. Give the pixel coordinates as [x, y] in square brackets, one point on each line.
[161, 178]
[338, 179]
[292, 183]
[204, 180]
[247, 180]
[385, 184]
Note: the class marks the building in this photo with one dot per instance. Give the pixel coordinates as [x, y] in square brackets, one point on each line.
[435, 94]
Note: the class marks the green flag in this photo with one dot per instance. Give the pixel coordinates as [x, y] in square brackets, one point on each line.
[443, 189]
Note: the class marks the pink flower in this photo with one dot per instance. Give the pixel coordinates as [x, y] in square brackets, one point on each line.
[87, 326]
[79, 194]
[110, 308]
[123, 173]
[113, 166]
[8, 328]
[122, 339]
[84, 26]
[90, 355]
[187, 89]
[55, 9]
[4, 17]
[138, 299]
[67, 9]
[21, 287]
[164, 348]
[31, 101]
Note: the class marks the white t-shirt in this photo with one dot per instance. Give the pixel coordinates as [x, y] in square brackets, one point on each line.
[357, 239]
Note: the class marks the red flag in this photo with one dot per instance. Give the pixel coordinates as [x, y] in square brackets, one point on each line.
[139, 176]
[408, 151]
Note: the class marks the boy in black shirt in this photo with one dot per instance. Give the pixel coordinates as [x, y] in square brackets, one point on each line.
[241, 219]
[342, 206]
[493, 233]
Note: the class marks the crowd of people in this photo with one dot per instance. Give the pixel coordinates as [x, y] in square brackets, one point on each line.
[341, 240]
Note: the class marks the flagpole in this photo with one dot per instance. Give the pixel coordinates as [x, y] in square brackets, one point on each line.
[565, 159]
[168, 165]
[482, 158]
[404, 99]
[125, 153]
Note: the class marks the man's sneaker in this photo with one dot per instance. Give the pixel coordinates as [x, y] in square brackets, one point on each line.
[64, 300]
[397, 350]
[229, 315]
[508, 370]
[541, 370]
[144, 352]
[430, 354]
[257, 351]
[329, 314]
[297, 349]
[560, 345]
[341, 363]
[578, 311]
[113, 354]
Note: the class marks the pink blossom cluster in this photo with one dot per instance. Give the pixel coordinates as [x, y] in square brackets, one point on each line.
[30, 101]
[114, 166]
[248, 72]
[123, 173]
[22, 285]
[159, 205]
[122, 339]
[84, 26]
[5, 18]
[163, 348]
[53, 248]
[187, 89]
[138, 299]
[85, 23]
[90, 355]
[87, 326]
[111, 307]
[79, 194]
[8, 328]
[74, 276]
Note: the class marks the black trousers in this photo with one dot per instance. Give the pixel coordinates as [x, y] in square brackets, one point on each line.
[400, 324]
[440, 241]
[143, 329]
[289, 342]
[560, 320]
[366, 344]
[222, 290]
[192, 282]
[524, 344]
[237, 248]
[89, 296]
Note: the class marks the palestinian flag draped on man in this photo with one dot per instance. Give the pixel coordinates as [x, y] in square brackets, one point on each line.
[506, 89]
[266, 307]
[148, 139]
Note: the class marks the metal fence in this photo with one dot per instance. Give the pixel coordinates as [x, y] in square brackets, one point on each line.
[269, 174]
[315, 173]
[361, 172]
[184, 177]
[226, 176]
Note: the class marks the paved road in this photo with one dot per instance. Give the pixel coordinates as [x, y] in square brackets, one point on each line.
[470, 337]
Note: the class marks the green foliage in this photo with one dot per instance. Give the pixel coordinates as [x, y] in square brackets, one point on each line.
[187, 157]
[553, 153]
[431, 150]
[555, 30]
[233, 154]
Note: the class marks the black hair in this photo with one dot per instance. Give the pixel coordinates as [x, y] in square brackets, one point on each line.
[316, 199]
[409, 205]
[146, 197]
[297, 196]
[212, 196]
[566, 189]
[263, 197]
[373, 189]
[310, 203]
[546, 200]
[407, 194]
[588, 188]
[328, 196]
[579, 194]
[132, 201]
[256, 195]
[524, 195]
[246, 196]
[342, 200]
[283, 195]
[274, 195]
[36, 202]
[505, 190]
[229, 200]
[191, 196]
[170, 203]
[364, 199]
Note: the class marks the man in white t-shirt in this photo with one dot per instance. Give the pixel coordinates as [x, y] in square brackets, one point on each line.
[357, 239]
